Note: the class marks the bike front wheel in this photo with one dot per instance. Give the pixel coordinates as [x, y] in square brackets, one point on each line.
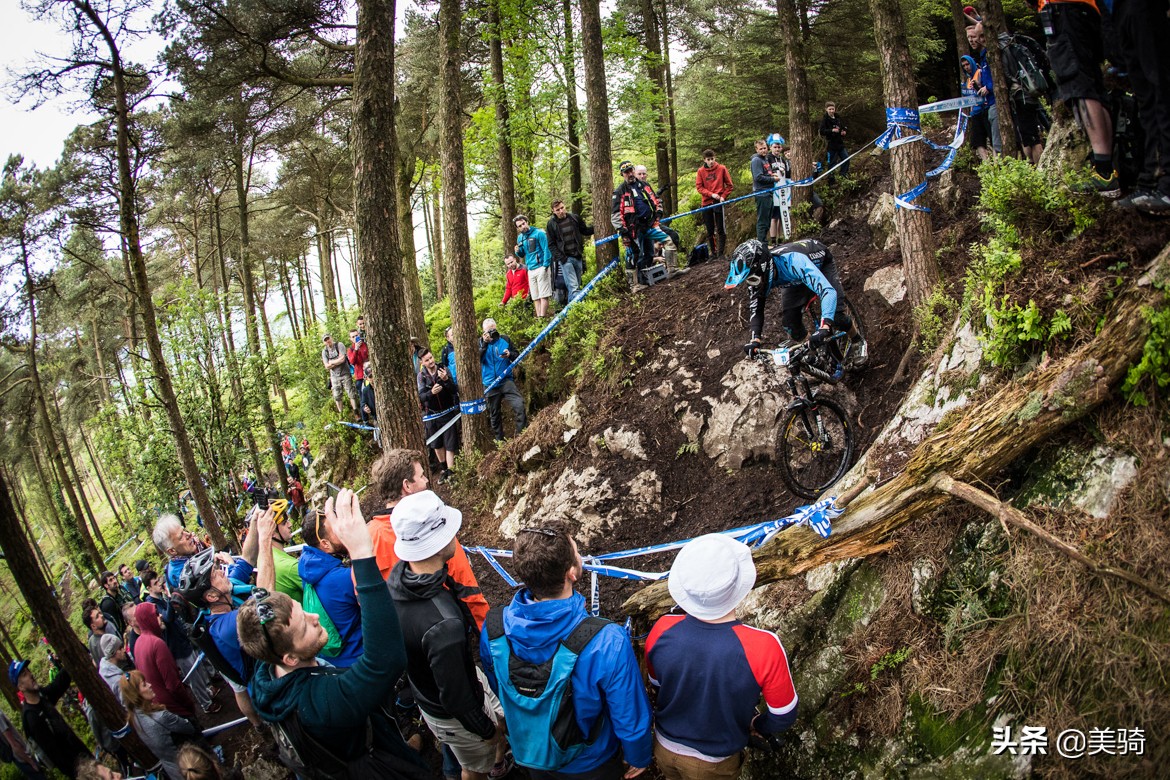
[816, 445]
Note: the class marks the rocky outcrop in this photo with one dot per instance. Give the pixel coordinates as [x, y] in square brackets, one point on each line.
[745, 420]
[881, 223]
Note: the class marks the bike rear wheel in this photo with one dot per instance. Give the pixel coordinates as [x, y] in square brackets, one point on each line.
[816, 445]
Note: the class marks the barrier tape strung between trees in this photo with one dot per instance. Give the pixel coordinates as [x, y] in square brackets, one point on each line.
[897, 119]
[818, 517]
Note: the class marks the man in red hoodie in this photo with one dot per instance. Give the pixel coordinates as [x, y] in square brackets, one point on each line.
[515, 280]
[714, 183]
[154, 659]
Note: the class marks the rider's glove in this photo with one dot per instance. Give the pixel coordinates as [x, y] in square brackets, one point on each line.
[820, 336]
[624, 232]
[751, 349]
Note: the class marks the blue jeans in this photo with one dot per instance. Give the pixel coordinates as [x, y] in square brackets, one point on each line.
[572, 269]
[834, 157]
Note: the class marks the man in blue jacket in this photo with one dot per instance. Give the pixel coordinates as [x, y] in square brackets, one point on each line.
[496, 354]
[609, 698]
[763, 184]
[532, 247]
[323, 572]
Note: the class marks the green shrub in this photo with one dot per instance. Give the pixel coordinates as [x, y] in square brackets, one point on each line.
[1155, 363]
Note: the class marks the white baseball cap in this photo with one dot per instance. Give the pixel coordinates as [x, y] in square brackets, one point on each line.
[424, 525]
[711, 575]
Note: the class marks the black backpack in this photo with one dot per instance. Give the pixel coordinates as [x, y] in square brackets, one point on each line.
[311, 759]
[201, 637]
[1027, 66]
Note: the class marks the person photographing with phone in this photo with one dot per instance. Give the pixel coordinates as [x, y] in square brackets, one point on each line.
[496, 354]
[439, 394]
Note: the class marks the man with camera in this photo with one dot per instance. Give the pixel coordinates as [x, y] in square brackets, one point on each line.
[439, 394]
[496, 354]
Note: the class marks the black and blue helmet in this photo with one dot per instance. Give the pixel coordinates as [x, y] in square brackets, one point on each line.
[747, 264]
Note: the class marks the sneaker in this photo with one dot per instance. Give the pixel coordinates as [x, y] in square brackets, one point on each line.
[1153, 203]
[1106, 188]
[1129, 202]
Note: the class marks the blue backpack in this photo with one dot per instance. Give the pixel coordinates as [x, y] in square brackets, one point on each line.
[538, 698]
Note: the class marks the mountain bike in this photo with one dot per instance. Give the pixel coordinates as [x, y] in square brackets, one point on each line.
[816, 437]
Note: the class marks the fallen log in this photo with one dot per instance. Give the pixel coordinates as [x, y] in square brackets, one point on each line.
[983, 439]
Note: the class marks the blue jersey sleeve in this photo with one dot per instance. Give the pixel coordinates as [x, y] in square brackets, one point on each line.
[797, 268]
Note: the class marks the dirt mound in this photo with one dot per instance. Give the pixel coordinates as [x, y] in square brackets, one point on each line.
[677, 341]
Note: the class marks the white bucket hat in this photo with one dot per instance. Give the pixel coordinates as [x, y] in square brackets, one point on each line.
[711, 575]
[424, 525]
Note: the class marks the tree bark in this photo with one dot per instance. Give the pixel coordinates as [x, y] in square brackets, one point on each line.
[415, 311]
[376, 221]
[597, 129]
[128, 219]
[988, 437]
[672, 126]
[42, 601]
[653, 61]
[959, 21]
[993, 25]
[463, 322]
[438, 263]
[499, 93]
[71, 465]
[102, 480]
[799, 125]
[908, 160]
[325, 262]
[573, 113]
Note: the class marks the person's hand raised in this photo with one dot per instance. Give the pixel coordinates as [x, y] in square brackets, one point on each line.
[344, 516]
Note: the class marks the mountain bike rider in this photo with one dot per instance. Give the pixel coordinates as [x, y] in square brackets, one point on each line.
[803, 269]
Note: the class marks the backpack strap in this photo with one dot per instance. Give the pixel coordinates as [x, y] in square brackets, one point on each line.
[583, 634]
[494, 623]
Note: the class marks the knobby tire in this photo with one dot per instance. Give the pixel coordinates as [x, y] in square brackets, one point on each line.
[808, 462]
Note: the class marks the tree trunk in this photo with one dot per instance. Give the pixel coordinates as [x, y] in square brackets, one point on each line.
[672, 125]
[573, 114]
[499, 93]
[250, 326]
[463, 321]
[438, 263]
[988, 437]
[325, 262]
[416, 321]
[71, 465]
[959, 20]
[908, 160]
[286, 292]
[376, 220]
[993, 25]
[336, 269]
[42, 601]
[6, 475]
[99, 358]
[597, 128]
[799, 125]
[128, 218]
[653, 60]
[49, 437]
[102, 480]
[54, 515]
[269, 345]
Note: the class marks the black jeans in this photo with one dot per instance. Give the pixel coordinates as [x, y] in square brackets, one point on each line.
[713, 221]
[505, 391]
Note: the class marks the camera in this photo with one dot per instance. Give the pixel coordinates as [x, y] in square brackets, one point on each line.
[493, 334]
[260, 499]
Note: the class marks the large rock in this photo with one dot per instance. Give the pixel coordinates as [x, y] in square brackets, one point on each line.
[881, 223]
[888, 282]
[745, 421]
[623, 443]
[1089, 479]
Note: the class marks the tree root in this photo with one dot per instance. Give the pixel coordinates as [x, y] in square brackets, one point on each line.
[1009, 515]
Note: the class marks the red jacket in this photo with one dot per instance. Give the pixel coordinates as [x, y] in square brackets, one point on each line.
[296, 494]
[515, 284]
[357, 359]
[154, 659]
[713, 181]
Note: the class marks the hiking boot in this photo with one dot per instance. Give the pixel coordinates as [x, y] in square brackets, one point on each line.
[1106, 188]
[502, 767]
[1129, 202]
[1156, 204]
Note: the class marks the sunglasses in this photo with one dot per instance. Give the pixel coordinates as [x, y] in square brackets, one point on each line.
[542, 531]
[266, 614]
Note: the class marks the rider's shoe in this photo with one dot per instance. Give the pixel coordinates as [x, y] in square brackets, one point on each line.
[858, 352]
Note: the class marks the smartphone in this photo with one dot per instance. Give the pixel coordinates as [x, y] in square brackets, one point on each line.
[260, 499]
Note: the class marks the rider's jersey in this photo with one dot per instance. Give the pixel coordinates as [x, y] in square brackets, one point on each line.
[795, 263]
